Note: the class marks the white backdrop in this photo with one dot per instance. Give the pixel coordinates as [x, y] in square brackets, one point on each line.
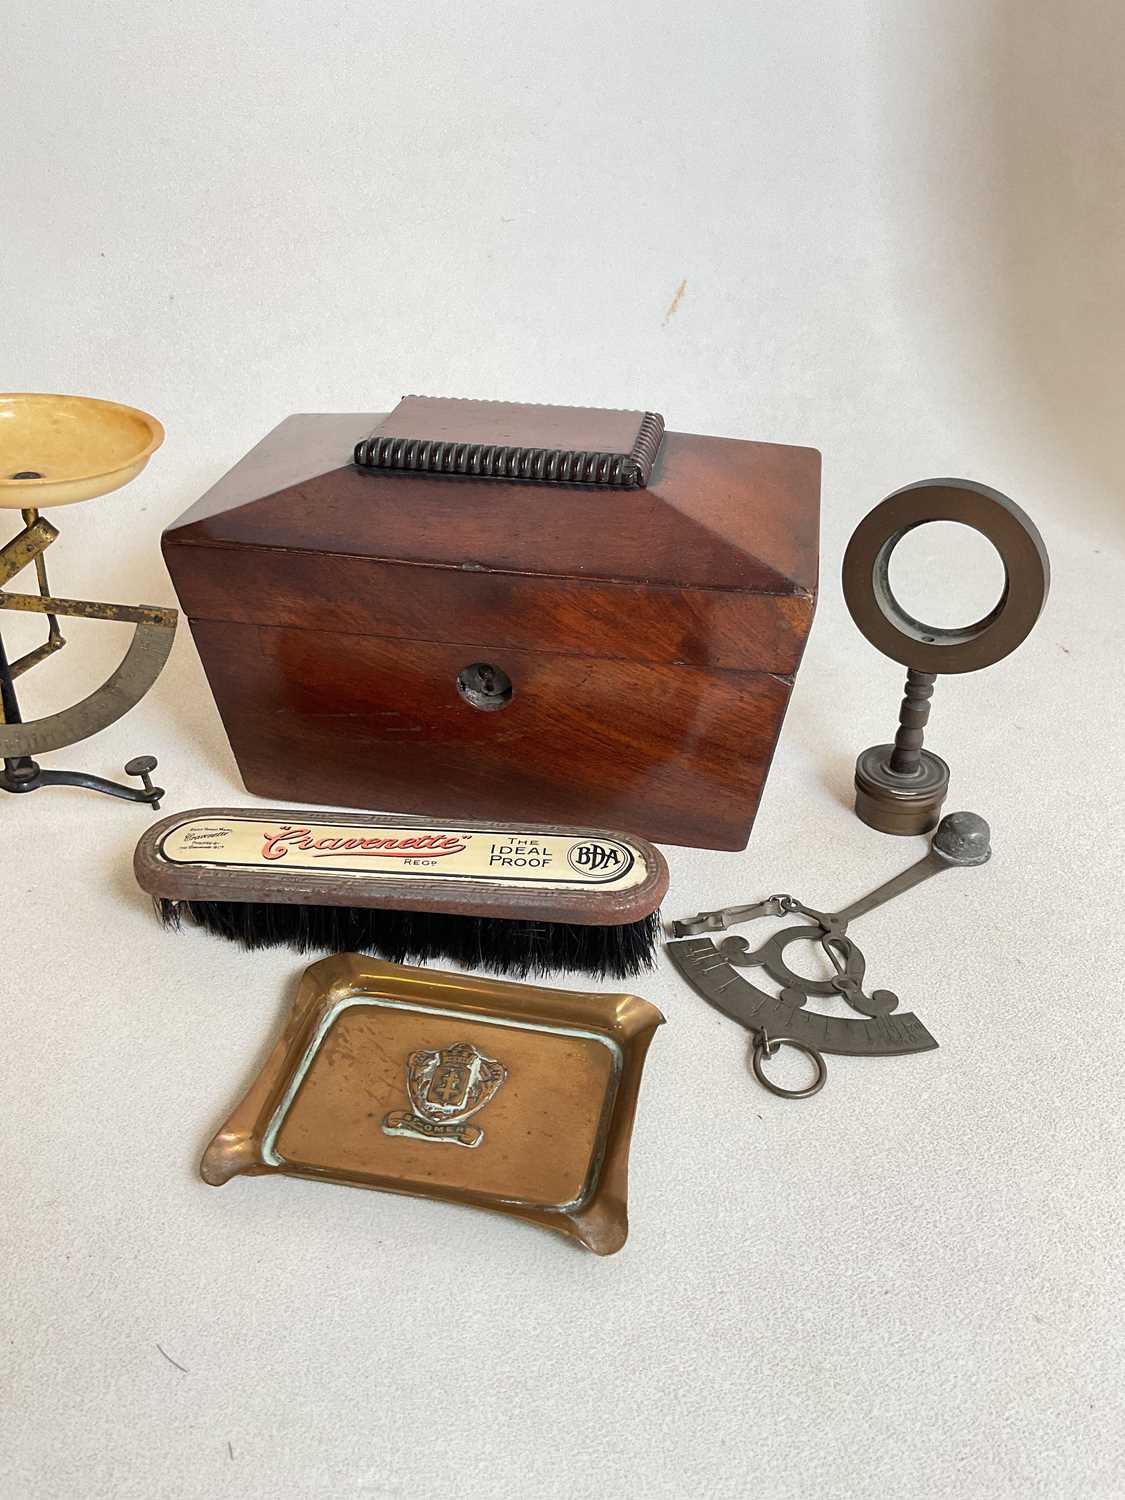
[899, 231]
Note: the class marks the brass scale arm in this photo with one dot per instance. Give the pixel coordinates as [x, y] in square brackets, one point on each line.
[147, 653]
[29, 546]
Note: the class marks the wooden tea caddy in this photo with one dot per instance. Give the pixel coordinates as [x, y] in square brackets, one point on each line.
[493, 610]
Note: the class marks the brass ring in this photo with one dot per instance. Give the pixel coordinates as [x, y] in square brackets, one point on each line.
[932, 648]
[773, 1043]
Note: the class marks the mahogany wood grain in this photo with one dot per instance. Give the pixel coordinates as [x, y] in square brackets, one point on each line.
[676, 754]
[651, 635]
[717, 513]
[645, 622]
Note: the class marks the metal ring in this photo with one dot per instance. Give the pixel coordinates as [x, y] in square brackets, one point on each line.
[773, 1043]
[932, 648]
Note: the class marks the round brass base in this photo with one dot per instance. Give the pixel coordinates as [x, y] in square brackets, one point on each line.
[895, 803]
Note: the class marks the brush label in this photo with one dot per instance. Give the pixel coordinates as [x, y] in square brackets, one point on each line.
[314, 847]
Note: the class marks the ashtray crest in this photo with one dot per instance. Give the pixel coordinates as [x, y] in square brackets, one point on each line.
[446, 1085]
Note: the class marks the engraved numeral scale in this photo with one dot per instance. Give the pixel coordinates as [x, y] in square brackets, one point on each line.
[961, 840]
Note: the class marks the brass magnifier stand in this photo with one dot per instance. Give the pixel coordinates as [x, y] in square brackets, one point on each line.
[57, 450]
[900, 787]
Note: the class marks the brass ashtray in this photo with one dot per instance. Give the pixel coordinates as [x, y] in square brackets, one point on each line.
[481, 1091]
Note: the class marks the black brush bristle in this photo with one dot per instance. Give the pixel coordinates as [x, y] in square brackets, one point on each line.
[496, 944]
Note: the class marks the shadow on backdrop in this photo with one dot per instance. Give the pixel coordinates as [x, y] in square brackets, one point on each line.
[1001, 150]
[1059, 225]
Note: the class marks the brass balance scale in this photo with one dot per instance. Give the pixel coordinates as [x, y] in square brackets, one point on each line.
[57, 450]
